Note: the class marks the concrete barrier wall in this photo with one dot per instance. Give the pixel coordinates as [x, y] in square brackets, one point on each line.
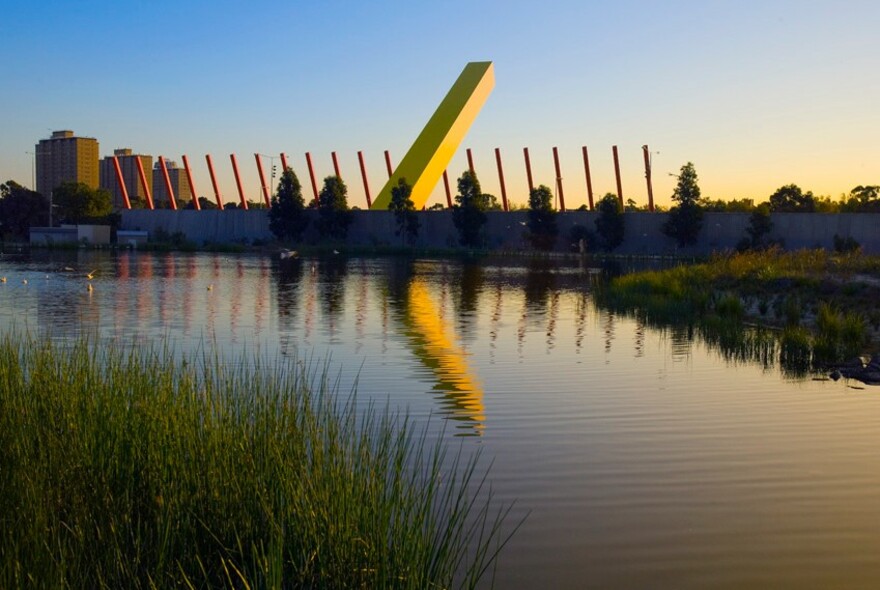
[508, 230]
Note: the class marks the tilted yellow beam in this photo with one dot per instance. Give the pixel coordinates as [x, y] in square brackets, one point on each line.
[432, 151]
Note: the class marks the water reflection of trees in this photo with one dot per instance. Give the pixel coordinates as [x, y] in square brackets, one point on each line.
[466, 298]
[332, 272]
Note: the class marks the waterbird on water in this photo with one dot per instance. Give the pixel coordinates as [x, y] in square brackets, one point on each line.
[24, 281]
[90, 288]
[2, 279]
[91, 275]
[211, 286]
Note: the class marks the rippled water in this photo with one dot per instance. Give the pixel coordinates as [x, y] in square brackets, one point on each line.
[643, 458]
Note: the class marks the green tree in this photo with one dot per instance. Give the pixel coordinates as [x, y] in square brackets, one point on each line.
[287, 216]
[469, 211]
[334, 215]
[404, 212]
[791, 199]
[685, 218]
[21, 208]
[610, 222]
[543, 228]
[760, 226]
[76, 202]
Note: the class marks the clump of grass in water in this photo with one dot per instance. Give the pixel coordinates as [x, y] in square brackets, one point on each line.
[134, 470]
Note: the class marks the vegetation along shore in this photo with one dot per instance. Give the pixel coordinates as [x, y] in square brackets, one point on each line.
[826, 306]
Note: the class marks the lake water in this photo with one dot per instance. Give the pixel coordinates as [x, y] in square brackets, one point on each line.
[643, 457]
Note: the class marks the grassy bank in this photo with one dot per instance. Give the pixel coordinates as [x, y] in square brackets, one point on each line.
[827, 306]
[135, 470]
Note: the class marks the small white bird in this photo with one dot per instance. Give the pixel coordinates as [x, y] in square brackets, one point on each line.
[91, 275]
[336, 251]
[211, 286]
[2, 279]
[24, 281]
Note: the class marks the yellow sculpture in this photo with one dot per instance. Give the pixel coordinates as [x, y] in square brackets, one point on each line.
[432, 151]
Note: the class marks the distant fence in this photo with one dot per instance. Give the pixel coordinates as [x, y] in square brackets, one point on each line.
[507, 230]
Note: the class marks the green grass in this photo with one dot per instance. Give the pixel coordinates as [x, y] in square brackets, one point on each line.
[136, 470]
[811, 290]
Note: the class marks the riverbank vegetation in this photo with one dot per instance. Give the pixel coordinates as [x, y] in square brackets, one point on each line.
[138, 470]
[827, 306]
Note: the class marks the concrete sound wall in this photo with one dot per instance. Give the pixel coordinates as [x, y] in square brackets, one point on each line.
[507, 230]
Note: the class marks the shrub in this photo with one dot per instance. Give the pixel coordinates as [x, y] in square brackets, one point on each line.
[610, 224]
[543, 229]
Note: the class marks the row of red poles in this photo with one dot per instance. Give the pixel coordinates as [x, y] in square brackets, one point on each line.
[284, 166]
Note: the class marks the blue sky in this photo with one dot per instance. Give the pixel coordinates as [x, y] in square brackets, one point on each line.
[756, 94]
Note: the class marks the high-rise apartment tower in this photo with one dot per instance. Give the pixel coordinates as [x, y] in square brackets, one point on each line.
[65, 157]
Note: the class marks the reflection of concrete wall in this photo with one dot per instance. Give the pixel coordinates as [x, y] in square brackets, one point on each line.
[506, 230]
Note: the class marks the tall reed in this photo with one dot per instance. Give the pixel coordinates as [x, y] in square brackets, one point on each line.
[127, 469]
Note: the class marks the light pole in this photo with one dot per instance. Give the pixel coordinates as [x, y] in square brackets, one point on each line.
[271, 172]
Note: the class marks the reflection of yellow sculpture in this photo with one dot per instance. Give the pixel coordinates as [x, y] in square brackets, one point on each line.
[430, 154]
[434, 343]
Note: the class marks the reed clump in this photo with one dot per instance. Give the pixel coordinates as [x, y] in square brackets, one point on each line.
[127, 469]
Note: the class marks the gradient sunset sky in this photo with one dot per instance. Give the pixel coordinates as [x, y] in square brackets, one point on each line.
[756, 94]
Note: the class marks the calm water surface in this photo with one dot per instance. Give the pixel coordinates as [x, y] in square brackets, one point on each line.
[643, 457]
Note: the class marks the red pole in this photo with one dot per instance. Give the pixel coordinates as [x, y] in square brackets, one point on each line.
[312, 175]
[558, 179]
[284, 165]
[501, 178]
[335, 164]
[121, 182]
[364, 175]
[168, 186]
[589, 180]
[149, 195]
[388, 163]
[262, 180]
[470, 160]
[192, 185]
[446, 186]
[244, 204]
[214, 181]
[648, 178]
[617, 175]
[528, 168]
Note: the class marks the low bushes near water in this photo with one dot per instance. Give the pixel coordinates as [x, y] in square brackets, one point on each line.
[135, 470]
[819, 298]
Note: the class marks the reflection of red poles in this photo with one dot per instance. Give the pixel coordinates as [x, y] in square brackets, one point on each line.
[244, 204]
[589, 180]
[284, 165]
[648, 177]
[364, 175]
[470, 158]
[168, 186]
[122, 188]
[143, 177]
[446, 186]
[501, 178]
[617, 175]
[336, 165]
[528, 168]
[214, 181]
[192, 186]
[388, 163]
[312, 175]
[262, 180]
[558, 179]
